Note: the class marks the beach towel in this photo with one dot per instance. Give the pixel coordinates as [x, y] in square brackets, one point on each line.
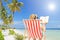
[33, 28]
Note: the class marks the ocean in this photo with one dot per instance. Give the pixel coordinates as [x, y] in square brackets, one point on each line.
[51, 33]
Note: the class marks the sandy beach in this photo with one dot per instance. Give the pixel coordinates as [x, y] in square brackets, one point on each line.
[12, 37]
[50, 34]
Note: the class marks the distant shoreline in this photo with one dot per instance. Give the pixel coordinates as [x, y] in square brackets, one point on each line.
[46, 28]
[53, 28]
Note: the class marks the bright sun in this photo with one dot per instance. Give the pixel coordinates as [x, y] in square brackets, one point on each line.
[51, 6]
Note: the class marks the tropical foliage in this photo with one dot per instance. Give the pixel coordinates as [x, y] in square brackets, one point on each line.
[11, 32]
[6, 19]
[19, 37]
[1, 35]
[14, 6]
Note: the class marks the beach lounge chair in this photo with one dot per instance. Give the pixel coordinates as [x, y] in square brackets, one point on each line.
[33, 28]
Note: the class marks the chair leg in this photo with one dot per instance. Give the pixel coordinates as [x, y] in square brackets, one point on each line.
[40, 38]
[44, 37]
[29, 38]
[34, 38]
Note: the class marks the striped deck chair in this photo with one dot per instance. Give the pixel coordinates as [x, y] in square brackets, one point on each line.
[33, 28]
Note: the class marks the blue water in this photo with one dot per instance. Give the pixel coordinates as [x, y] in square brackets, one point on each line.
[52, 28]
[51, 33]
[46, 28]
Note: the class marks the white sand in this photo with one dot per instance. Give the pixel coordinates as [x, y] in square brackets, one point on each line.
[11, 37]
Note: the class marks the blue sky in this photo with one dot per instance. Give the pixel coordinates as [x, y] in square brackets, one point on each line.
[39, 7]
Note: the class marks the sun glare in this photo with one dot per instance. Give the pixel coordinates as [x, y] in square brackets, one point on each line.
[51, 6]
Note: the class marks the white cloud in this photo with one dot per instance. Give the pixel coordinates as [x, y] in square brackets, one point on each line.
[18, 22]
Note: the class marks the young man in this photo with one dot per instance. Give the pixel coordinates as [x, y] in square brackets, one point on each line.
[43, 22]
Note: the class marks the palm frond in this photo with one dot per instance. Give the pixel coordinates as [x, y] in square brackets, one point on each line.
[10, 18]
[6, 0]
[14, 1]
[17, 8]
[20, 4]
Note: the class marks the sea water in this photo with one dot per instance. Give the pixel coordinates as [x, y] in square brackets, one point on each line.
[51, 34]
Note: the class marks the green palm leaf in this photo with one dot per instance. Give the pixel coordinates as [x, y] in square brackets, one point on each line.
[6, 0]
[15, 6]
[20, 4]
[14, 1]
[10, 18]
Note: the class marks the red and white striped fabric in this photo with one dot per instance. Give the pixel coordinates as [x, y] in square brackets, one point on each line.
[33, 27]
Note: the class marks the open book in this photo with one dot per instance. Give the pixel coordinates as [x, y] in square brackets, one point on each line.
[44, 19]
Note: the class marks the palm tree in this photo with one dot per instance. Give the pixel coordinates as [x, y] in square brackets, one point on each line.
[15, 6]
[6, 19]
